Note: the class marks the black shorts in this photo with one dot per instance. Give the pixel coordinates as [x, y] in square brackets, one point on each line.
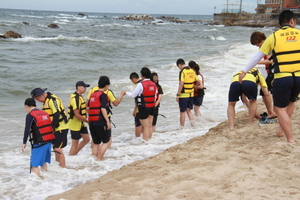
[76, 135]
[100, 134]
[198, 100]
[145, 112]
[137, 122]
[249, 89]
[235, 91]
[61, 139]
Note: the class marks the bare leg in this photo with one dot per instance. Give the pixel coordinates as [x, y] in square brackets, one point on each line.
[231, 114]
[101, 150]
[60, 157]
[36, 170]
[138, 131]
[197, 111]
[182, 118]
[73, 147]
[146, 128]
[45, 168]
[95, 149]
[284, 116]
[190, 116]
[268, 103]
[85, 140]
[252, 110]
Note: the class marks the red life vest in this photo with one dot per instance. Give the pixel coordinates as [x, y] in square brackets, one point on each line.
[43, 131]
[199, 92]
[95, 113]
[148, 98]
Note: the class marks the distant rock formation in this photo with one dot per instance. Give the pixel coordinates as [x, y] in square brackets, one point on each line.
[136, 18]
[26, 23]
[53, 26]
[82, 14]
[11, 34]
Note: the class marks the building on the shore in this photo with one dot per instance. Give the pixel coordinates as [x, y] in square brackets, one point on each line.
[276, 6]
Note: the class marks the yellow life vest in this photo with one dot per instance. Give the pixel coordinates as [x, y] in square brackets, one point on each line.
[60, 108]
[80, 104]
[286, 53]
[188, 79]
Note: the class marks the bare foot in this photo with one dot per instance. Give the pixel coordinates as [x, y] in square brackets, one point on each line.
[279, 132]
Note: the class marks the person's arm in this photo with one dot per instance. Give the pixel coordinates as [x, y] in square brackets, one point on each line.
[55, 111]
[158, 100]
[198, 85]
[78, 116]
[135, 110]
[115, 101]
[28, 123]
[251, 64]
[103, 100]
[138, 90]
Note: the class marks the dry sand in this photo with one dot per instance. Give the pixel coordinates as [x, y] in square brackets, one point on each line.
[249, 162]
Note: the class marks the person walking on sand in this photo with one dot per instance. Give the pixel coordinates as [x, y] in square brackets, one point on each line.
[198, 89]
[99, 122]
[257, 38]
[154, 78]
[78, 118]
[39, 129]
[145, 92]
[55, 108]
[285, 47]
[135, 79]
[247, 88]
[185, 92]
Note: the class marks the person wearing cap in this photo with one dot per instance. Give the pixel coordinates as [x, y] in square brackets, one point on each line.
[53, 105]
[77, 118]
[99, 121]
[111, 99]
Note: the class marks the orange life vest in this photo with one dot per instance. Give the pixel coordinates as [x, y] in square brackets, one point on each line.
[42, 131]
[148, 98]
[95, 113]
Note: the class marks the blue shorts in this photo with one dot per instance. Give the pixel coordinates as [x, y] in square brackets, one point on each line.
[40, 155]
[76, 135]
[198, 100]
[285, 90]
[235, 91]
[249, 89]
[185, 103]
[137, 122]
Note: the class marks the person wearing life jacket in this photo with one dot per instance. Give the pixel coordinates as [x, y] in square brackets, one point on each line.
[198, 89]
[78, 118]
[248, 88]
[154, 78]
[145, 94]
[185, 93]
[257, 38]
[135, 79]
[99, 121]
[55, 108]
[285, 47]
[111, 100]
[39, 129]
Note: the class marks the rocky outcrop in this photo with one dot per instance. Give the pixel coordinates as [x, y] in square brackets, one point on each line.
[53, 26]
[82, 14]
[11, 34]
[136, 18]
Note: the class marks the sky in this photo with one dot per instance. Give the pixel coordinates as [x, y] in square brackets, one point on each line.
[192, 7]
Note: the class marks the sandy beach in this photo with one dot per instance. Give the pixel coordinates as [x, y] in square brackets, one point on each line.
[249, 162]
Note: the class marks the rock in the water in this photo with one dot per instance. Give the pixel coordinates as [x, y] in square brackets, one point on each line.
[11, 34]
[53, 26]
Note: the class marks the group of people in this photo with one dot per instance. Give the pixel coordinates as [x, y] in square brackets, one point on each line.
[283, 75]
[49, 126]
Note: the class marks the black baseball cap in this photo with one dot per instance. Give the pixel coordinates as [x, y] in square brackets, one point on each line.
[81, 83]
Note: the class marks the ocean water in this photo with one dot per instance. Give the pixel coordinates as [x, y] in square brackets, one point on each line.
[84, 48]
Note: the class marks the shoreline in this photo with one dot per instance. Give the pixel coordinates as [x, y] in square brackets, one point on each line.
[249, 162]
